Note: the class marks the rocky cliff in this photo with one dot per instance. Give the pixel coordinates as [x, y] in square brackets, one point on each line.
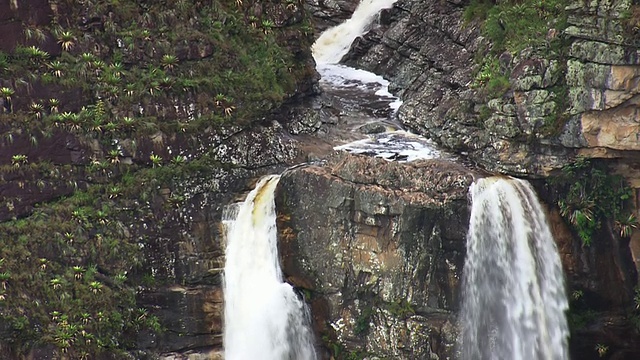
[378, 253]
[525, 89]
[571, 93]
[125, 128]
[379, 256]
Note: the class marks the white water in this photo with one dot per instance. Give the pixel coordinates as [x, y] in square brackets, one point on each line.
[335, 42]
[264, 318]
[328, 50]
[513, 288]
[397, 145]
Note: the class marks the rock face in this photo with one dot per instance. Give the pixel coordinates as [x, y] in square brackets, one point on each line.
[581, 103]
[427, 50]
[600, 283]
[160, 219]
[329, 13]
[380, 250]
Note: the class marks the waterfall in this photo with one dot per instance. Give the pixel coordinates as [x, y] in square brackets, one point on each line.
[264, 318]
[513, 286]
[334, 43]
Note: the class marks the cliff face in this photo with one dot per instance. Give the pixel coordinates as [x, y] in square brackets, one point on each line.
[573, 93]
[530, 109]
[379, 253]
[125, 130]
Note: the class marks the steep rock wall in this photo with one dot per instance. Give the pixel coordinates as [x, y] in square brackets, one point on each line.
[430, 53]
[572, 94]
[112, 193]
[378, 251]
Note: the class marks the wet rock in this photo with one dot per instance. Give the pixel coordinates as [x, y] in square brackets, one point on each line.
[380, 248]
[329, 13]
[427, 52]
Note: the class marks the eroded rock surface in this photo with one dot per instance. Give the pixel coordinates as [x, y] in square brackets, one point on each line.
[428, 52]
[380, 247]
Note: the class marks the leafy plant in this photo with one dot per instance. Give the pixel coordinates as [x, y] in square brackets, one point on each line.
[54, 105]
[591, 196]
[178, 159]
[6, 93]
[626, 224]
[169, 61]
[35, 33]
[66, 39]
[267, 25]
[19, 160]
[601, 349]
[36, 109]
[4, 279]
[156, 160]
[57, 68]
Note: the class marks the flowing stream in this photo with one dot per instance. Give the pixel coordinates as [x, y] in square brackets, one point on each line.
[335, 42]
[264, 318]
[371, 90]
[513, 287]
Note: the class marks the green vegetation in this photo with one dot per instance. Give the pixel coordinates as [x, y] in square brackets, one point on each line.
[579, 315]
[555, 122]
[592, 196]
[491, 79]
[156, 53]
[363, 321]
[69, 272]
[339, 352]
[513, 26]
[634, 315]
[70, 269]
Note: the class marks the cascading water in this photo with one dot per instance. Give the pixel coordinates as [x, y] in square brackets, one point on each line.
[334, 43]
[367, 88]
[513, 288]
[264, 318]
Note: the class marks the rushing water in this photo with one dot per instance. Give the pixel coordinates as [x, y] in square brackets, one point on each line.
[340, 80]
[335, 42]
[264, 318]
[513, 288]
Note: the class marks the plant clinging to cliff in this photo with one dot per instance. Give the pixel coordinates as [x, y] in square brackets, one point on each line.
[591, 197]
[36, 109]
[169, 61]
[57, 68]
[19, 160]
[66, 40]
[6, 93]
[626, 225]
[32, 32]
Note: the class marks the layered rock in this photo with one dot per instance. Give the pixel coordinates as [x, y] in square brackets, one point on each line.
[428, 52]
[379, 248]
[577, 97]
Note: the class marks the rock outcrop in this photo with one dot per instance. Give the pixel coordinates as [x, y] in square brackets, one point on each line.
[379, 251]
[329, 13]
[428, 52]
[573, 95]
